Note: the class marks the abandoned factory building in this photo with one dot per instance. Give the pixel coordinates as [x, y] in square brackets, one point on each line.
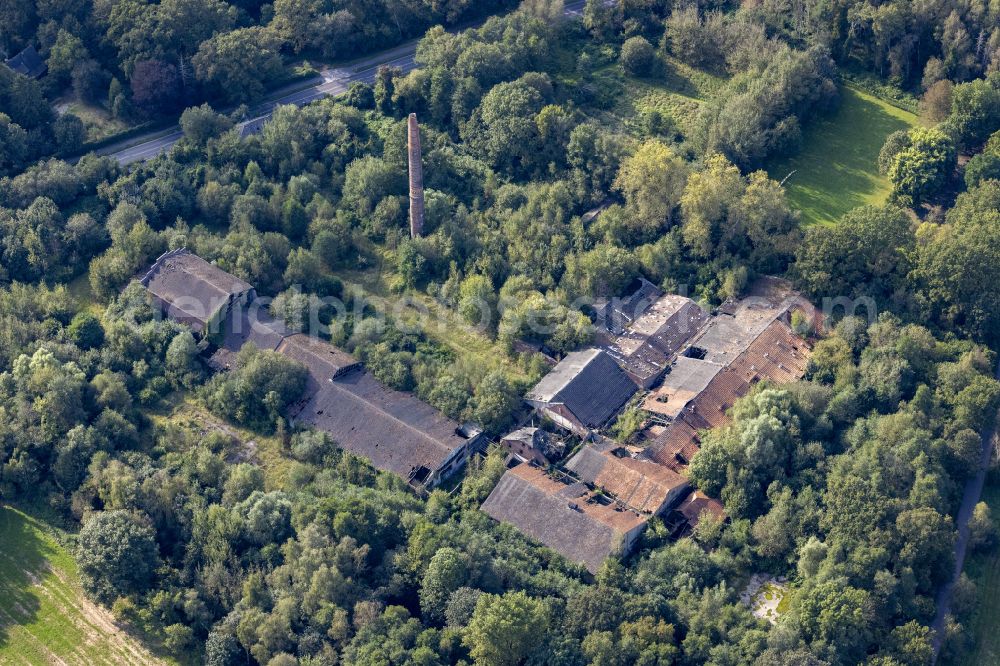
[691, 366]
[584, 526]
[192, 291]
[734, 352]
[583, 392]
[396, 431]
[645, 348]
[642, 485]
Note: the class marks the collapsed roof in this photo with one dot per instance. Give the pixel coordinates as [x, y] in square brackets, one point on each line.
[564, 515]
[644, 349]
[643, 485]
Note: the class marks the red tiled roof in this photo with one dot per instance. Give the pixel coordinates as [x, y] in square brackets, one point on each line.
[641, 484]
[565, 516]
[697, 504]
[776, 355]
[676, 446]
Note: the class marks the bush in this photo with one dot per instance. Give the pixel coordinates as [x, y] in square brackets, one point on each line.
[257, 392]
[922, 169]
[86, 331]
[69, 133]
[637, 57]
[985, 166]
[360, 95]
[201, 123]
[90, 81]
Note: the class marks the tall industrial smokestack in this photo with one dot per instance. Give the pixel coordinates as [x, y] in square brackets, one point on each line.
[416, 178]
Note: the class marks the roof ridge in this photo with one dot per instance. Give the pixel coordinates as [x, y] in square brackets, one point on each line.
[567, 378]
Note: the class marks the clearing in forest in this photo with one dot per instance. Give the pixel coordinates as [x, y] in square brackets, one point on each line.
[767, 596]
[836, 169]
[414, 311]
[677, 93]
[183, 411]
[44, 616]
[98, 124]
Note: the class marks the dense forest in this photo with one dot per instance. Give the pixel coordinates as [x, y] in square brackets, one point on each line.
[846, 482]
[144, 61]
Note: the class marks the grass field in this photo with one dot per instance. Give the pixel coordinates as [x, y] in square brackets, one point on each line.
[182, 410]
[79, 288]
[834, 172]
[836, 169]
[97, 122]
[984, 570]
[44, 617]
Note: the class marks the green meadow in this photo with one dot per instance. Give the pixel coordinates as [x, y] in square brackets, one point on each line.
[835, 171]
[44, 616]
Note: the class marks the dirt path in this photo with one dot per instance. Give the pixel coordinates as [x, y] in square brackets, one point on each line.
[973, 491]
[44, 616]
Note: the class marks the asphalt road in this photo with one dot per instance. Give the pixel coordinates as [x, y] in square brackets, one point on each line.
[334, 81]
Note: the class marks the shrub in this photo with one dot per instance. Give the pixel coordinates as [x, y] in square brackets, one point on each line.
[86, 331]
[637, 57]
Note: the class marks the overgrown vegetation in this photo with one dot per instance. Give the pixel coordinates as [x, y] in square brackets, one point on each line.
[847, 483]
[977, 595]
[138, 62]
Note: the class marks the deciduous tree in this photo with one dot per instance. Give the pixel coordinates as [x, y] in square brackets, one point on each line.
[116, 554]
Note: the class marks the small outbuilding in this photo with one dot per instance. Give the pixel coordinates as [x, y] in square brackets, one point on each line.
[531, 445]
[28, 63]
[695, 508]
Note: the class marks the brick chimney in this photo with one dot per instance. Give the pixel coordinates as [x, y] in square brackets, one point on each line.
[416, 178]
